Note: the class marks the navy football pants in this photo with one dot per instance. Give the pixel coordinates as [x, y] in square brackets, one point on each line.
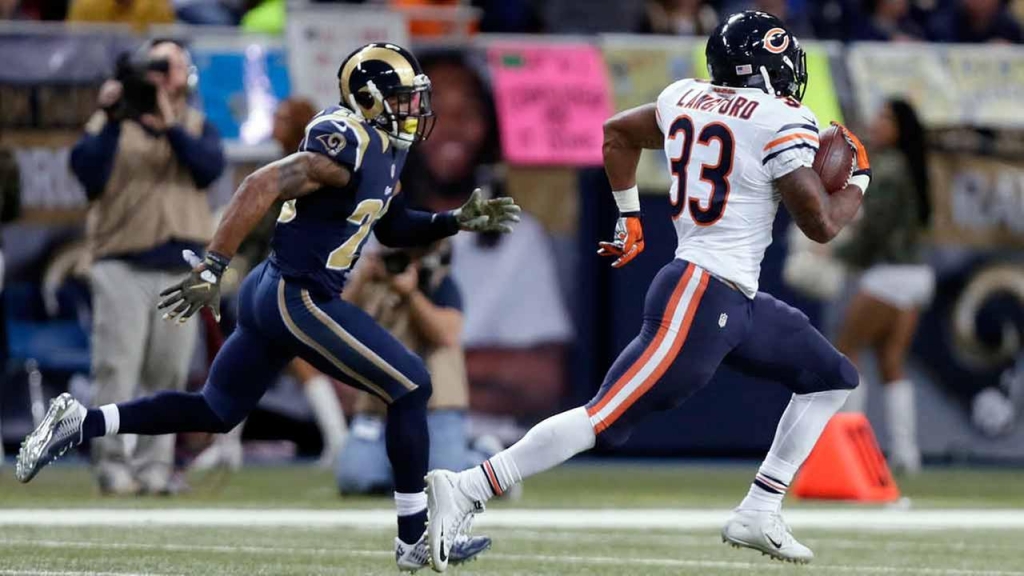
[693, 323]
[278, 321]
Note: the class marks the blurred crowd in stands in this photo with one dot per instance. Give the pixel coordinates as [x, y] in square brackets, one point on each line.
[879, 20]
[504, 336]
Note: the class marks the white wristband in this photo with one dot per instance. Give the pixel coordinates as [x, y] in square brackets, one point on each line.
[861, 181]
[627, 200]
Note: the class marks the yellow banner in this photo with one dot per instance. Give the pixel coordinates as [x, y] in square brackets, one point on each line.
[639, 71]
[950, 86]
[977, 201]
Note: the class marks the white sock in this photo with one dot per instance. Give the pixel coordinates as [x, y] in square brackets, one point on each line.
[858, 399]
[409, 504]
[798, 431]
[111, 419]
[327, 411]
[545, 446]
[901, 418]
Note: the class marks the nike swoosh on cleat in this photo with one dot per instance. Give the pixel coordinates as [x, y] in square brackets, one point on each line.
[777, 545]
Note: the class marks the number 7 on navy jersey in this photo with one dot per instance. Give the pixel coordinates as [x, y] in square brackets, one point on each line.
[710, 210]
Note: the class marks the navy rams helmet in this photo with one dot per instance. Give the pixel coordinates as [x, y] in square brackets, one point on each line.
[755, 50]
[384, 84]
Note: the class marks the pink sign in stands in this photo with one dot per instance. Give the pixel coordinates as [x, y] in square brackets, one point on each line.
[551, 100]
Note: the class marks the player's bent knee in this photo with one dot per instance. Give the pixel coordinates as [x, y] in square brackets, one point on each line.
[613, 437]
[848, 377]
[222, 417]
[418, 397]
[424, 385]
[424, 390]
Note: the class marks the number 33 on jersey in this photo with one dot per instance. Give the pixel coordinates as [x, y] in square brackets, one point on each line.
[725, 147]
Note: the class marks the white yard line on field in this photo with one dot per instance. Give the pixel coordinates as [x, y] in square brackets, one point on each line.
[626, 519]
[690, 540]
[753, 567]
[73, 573]
[217, 549]
[519, 558]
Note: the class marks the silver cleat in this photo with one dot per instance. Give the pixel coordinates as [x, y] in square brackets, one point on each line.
[59, 431]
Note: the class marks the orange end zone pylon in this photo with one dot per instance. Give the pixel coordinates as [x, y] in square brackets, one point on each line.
[846, 464]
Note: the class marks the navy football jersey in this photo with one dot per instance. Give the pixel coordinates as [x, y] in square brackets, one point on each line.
[318, 237]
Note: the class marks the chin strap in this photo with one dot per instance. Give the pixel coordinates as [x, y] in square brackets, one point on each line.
[767, 82]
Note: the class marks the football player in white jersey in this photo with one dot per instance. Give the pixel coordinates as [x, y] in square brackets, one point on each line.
[736, 146]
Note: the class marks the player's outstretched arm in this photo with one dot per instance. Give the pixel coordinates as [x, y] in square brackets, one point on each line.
[626, 135]
[402, 226]
[291, 177]
[819, 215]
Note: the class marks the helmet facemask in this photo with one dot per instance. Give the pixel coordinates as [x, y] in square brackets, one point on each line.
[798, 85]
[408, 115]
[789, 84]
[405, 114]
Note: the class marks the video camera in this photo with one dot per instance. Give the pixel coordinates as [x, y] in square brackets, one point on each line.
[433, 261]
[138, 95]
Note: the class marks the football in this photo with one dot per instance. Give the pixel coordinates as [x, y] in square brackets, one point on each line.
[834, 162]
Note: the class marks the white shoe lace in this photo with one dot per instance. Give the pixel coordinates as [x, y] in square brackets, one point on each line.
[464, 530]
[778, 530]
[465, 519]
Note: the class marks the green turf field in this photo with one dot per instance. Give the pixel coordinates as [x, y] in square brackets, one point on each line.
[210, 548]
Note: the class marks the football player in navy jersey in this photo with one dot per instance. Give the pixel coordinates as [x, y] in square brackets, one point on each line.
[340, 185]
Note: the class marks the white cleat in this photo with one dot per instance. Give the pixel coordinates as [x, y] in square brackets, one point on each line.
[448, 513]
[767, 533]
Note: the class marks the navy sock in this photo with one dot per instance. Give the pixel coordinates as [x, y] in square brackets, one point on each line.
[411, 527]
[169, 413]
[408, 444]
[408, 441]
[94, 425]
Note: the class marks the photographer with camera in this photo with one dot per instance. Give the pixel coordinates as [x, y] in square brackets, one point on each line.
[411, 294]
[145, 162]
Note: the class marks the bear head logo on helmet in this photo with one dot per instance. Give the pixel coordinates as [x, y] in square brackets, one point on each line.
[755, 50]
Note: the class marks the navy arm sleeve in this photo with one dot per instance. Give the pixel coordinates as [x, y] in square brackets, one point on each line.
[401, 226]
[92, 158]
[203, 156]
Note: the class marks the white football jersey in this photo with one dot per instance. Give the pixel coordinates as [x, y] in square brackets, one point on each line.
[725, 147]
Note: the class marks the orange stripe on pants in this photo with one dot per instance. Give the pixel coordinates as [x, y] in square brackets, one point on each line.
[667, 361]
[666, 321]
